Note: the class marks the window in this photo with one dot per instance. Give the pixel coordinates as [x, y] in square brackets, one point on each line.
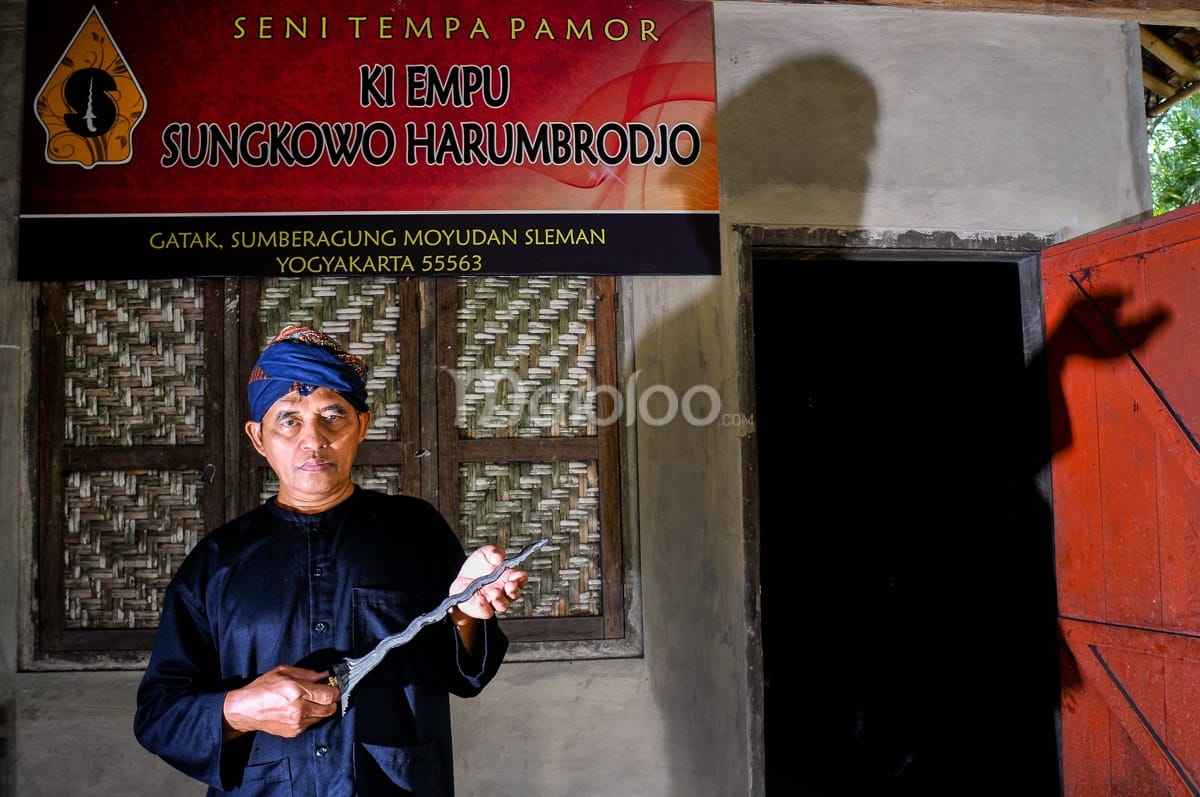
[519, 363]
[129, 471]
[487, 400]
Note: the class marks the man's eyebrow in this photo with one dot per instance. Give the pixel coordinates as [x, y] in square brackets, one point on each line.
[335, 407]
[285, 414]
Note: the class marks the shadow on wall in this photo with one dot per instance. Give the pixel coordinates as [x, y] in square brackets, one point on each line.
[808, 125]
[805, 128]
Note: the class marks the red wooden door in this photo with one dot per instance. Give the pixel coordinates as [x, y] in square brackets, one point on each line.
[1123, 344]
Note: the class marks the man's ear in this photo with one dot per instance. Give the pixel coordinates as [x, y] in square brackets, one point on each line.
[254, 432]
[364, 424]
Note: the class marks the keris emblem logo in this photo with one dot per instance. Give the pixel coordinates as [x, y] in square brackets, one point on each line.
[91, 102]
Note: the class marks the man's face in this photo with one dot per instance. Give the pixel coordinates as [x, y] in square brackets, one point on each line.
[310, 442]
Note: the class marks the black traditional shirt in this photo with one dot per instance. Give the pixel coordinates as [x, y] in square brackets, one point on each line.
[276, 587]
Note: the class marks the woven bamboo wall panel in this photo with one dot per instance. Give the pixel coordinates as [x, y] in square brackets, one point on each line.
[513, 504]
[125, 534]
[134, 363]
[362, 314]
[383, 478]
[526, 357]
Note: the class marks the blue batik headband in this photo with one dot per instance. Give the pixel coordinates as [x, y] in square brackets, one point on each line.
[303, 359]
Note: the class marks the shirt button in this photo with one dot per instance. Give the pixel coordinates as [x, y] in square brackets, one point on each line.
[321, 750]
[320, 626]
[317, 572]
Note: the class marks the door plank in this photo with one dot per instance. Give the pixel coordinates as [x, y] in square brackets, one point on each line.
[1133, 686]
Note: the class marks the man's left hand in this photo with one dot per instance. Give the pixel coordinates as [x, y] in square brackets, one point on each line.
[495, 597]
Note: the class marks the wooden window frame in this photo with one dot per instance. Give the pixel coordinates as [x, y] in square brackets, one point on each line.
[453, 450]
[55, 459]
[428, 451]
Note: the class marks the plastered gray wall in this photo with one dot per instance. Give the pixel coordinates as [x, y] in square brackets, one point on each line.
[828, 117]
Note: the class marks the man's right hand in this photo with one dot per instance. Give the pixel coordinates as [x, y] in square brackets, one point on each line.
[284, 701]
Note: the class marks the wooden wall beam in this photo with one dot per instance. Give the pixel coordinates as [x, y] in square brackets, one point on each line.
[1182, 13]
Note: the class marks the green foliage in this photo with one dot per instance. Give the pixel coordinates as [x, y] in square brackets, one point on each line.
[1173, 144]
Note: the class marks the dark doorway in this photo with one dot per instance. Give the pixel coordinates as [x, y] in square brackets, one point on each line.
[908, 601]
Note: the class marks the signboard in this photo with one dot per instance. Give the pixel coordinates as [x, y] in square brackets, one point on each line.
[429, 137]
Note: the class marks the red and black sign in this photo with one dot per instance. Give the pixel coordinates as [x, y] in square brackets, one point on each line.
[432, 137]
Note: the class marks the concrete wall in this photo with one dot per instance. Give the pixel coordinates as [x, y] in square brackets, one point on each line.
[828, 117]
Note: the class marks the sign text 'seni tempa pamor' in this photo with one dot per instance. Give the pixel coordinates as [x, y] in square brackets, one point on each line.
[448, 28]
[454, 138]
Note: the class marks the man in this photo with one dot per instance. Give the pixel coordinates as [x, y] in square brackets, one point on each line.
[237, 693]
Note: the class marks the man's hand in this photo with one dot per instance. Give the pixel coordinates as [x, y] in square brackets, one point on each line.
[283, 702]
[495, 597]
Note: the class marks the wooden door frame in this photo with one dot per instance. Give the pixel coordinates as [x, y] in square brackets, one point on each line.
[751, 242]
